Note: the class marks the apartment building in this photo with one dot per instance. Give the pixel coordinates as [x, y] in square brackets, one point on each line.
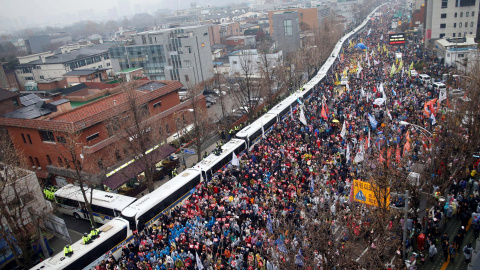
[286, 30]
[450, 19]
[49, 65]
[180, 54]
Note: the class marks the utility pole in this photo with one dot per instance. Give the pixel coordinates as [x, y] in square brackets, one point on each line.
[405, 216]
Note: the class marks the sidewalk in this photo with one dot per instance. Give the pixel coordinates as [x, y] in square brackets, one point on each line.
[451, 229]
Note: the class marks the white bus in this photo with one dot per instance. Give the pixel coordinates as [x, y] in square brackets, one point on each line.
[105, 205]
[113, 234]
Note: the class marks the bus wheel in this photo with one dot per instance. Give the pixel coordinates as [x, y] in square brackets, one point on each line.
[76, 215]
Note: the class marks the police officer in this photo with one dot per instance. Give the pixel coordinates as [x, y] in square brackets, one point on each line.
[236, 129]
[230, 134]
[86, 238]
[67, 250]
[174, 172]
[94, 233]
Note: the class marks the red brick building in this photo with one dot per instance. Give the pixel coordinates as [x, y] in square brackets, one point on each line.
[39, 130]
[9, 101]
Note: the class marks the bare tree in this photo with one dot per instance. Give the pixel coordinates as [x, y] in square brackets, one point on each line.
[22, 205]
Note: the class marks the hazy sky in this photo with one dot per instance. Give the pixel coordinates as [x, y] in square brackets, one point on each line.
[27, 13]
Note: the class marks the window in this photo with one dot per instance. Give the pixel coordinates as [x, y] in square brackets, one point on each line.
[37, 162]
[455, 15]
[158, 104]
[100, 164]
[67, 163]
[60, 162]
[288, 27]
[186, 78]
[466, 14]
[49, 160]
[466, 24]
[42, 77]
[464, 34]
[460, 25]
[473, 13]
[61, 139]
[15, 101]
[29, 139]
[234, 62]
[442, 25]
[23, 138]
[471, 24]
[454, 34]
[444, 3]
[464, 3]
[461, 55]
[454, 25]
[93, 136]
[459, 34]
[167, 129]
[31, 161]
[442, 35]
[443, 15]
[461, 14]
[47, 136]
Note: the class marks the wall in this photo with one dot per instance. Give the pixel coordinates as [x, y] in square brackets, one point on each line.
[52, 85]
[307, 16]
[287, 44]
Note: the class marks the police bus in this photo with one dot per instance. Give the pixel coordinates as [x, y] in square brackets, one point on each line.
[105, 205]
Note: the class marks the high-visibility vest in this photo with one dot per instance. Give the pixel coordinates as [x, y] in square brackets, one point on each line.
[231, 131]
[85, 239]
[67, 250]
[94, 232]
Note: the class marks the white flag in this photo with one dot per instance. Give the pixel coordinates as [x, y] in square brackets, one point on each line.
[362, 91]
[381, 37]
[302, 117]
[344, 130]
[375, 62]
[235, 160]
[199, 262]
[368, 142]
[403, 72]
[432, 116]
[348, 152]
[389, 115]
[348, 87]
[263, 132]
[359, 157]
[442, 96]
[368, 61]
[379, 101]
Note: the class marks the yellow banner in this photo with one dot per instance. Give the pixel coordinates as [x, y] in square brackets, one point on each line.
[364, 192]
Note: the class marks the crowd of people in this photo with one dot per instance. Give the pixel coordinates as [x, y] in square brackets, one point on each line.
[300, 166]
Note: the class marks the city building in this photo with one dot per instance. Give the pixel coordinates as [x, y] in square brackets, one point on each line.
[86, 75]
[450, 19]
[249, 61]
[131, 74]
[348, 9]
[39, 130]
[218, 32]
[307, 17]
[49, 65]
[456, 51]
[181, 54]
[241, 41]
[286, 31]
[9, 101]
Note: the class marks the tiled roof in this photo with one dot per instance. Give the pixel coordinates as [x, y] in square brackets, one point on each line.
[92, 113]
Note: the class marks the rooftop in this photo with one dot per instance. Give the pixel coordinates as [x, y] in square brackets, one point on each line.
[128, 70]
[468, 41]
[5, 94]
[81, 53]
[83, 72]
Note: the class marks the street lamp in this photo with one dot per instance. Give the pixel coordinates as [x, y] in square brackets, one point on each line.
[404, 123]
[182, 158]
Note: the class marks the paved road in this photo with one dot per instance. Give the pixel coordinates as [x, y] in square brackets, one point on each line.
[76, 228]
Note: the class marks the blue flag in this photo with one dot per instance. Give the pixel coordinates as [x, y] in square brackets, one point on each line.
[281, 245]
[269, 223]
[299, 258]
[394, 93]
[299, 102]
[373, 122]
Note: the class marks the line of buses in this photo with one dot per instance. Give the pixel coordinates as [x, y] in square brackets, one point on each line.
[121, 215]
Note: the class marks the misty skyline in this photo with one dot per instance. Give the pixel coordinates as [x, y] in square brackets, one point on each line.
[19, 14]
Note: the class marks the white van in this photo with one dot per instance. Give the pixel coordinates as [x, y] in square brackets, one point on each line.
[425, 79]
[413, 73]
[438, 86]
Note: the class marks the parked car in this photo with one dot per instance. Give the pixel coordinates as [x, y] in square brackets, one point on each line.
[210, 99]
[211, 92]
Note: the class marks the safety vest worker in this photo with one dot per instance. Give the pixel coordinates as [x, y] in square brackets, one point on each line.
[236, 128]
[231, 131]
[67, 250]
[94, 233]
[174, 172]
[86, 238]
